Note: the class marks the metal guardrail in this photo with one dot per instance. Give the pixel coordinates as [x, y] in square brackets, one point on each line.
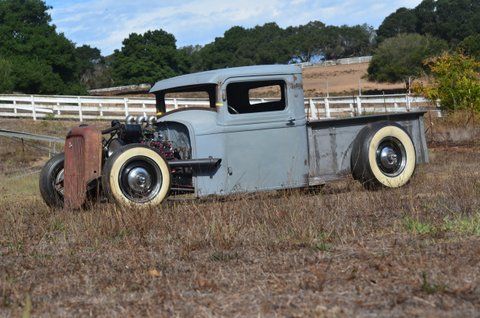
[108, 108]
[29, 136]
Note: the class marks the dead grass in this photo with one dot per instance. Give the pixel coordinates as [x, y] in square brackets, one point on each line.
[342, 80]
[338, 251]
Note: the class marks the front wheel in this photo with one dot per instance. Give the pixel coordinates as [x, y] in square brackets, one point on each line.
[51, 181]
[383, 155]
[136, 175]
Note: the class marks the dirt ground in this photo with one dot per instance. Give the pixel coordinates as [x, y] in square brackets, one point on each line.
[342, 80]
[338, 251]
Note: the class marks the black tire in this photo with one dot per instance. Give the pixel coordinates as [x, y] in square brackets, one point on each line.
[49, 189]
[136, 175]
[383, 155]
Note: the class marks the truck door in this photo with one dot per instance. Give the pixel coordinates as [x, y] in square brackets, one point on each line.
[266, 138]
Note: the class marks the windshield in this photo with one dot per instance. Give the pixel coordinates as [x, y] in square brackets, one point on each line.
[189, 96]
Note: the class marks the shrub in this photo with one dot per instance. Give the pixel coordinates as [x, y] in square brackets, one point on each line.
[399, 58]
[455, 82]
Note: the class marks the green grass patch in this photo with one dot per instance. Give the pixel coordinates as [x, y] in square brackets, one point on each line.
[430, 287]
[463, 225]
[415, 226]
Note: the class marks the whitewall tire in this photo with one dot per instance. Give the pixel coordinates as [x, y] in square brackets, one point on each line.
[137, 176]
[383, 155]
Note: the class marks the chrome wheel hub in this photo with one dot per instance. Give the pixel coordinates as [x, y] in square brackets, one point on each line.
[139, 180]
[388, 157]
[391, 157]
[59, 185]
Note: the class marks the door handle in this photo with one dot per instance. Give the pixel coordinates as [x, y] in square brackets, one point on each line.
[291, 121]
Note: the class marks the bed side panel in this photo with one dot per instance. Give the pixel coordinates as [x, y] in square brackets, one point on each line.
[331, 141]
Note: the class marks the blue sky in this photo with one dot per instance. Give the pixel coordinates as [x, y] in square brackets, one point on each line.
[105, 23]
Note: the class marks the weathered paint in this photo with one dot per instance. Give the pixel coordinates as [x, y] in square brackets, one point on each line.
[272, 150]
[331, 142]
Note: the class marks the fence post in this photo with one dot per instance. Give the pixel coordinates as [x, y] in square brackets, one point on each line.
[101, 109]
[408, 102]
[313, 109]
[34, 112]
[327, 108]
[125, 103]
[359, 105]
[175, 103]
[438, 108]
[15, 107]
[80, 113]
[58, 109]
[352, 110]
[144, 109]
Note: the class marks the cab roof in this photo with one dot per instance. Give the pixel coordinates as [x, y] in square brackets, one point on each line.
[219, 76]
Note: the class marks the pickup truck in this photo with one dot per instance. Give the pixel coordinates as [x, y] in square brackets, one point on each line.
[237, 145]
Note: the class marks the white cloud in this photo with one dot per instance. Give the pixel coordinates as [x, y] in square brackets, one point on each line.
[105, 23]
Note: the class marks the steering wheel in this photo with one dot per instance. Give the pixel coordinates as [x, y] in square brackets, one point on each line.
[233, 109]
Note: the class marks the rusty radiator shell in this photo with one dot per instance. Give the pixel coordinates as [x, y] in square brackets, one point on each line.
[83, 164]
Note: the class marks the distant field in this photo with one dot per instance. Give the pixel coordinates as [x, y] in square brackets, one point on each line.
[339, 251]
[341, 80]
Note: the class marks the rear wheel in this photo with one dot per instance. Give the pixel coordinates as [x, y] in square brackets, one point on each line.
[51, 181]
[136, 175]
[383, 155]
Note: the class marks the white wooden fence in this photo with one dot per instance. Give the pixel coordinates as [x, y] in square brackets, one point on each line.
[343, 106]
[344, 61]
[84, 108]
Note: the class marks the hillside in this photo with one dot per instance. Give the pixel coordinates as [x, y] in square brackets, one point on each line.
[341, 80]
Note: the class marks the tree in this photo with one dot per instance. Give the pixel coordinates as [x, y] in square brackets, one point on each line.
[87, 58]
[270, 44]
[471, 46]
[402, 21]
[456, 82]
[6, 82]
[399, 58]
[42, 60]
[148, 58]
[93, 68]
[348, 41]
[265, 44]
[451, 20]
[307, 41]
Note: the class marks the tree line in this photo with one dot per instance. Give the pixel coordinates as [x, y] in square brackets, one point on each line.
[408, 37]
[36, 58]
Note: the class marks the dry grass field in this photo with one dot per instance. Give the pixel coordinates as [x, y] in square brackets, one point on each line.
[342, 80]
[337, 251]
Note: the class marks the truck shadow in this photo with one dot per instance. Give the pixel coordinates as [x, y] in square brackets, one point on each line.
[332, 188]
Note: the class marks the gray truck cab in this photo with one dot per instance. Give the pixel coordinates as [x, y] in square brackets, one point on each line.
[263, 145]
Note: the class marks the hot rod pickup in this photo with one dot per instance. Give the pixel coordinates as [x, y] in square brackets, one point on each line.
[236, 145]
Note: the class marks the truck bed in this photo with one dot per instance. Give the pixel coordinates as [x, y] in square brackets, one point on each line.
[330, 142]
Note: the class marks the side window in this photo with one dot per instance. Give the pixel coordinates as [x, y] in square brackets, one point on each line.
[256, 97]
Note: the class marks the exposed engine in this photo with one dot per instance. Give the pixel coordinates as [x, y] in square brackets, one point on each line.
[170, 139]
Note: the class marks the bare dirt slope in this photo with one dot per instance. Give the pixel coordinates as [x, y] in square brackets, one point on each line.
[341, 80]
